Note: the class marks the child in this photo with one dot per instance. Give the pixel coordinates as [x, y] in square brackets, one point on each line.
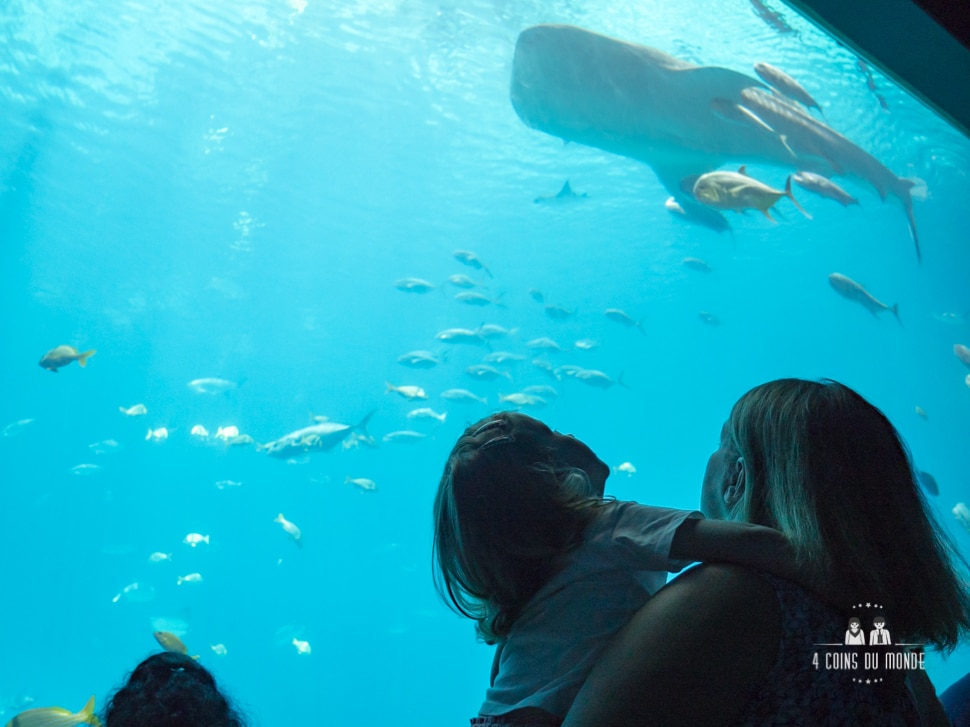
[526, 545]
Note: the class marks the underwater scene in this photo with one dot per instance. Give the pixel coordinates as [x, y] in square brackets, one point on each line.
[274, 256]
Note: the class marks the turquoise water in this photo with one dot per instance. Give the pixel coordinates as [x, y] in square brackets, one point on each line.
[232, 189]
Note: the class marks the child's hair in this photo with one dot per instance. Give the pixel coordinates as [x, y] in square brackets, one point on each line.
[171, 690]
[506, 509]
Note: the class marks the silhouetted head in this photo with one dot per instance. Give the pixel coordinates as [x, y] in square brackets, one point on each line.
[170, 690]
[827, 468]
[514, 497]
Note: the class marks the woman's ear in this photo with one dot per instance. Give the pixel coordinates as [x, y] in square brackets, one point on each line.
[734, 491]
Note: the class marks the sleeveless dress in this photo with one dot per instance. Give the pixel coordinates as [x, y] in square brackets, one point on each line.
[795, 692]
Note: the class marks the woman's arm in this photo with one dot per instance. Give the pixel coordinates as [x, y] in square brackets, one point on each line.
[693, 655]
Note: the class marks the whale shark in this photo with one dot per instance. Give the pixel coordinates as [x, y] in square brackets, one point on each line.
[641, 103]
[320, 437]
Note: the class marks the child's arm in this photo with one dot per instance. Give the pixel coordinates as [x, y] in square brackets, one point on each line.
[745, 544]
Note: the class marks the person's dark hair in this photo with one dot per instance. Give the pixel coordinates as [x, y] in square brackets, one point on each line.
[170, 690]
[505, 511]
[830, 471]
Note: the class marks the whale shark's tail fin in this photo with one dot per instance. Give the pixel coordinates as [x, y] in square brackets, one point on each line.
[903, 190]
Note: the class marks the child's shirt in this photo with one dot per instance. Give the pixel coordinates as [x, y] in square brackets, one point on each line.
[623, 560]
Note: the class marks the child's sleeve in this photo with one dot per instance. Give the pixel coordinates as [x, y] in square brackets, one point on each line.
[644, 535]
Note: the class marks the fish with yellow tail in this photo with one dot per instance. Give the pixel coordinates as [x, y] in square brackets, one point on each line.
[56, 717]
[63, 355]
[851, 290]
[737, 191]
[290, 528]
[170, 642]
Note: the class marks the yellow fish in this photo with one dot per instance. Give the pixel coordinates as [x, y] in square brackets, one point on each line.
[170, 642]
[56, 717]
[62, 356]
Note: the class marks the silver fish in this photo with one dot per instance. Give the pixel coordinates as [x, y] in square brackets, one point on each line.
[824, 187]
[851, 290]
[316, 438]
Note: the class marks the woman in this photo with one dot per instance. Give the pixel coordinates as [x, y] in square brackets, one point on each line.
[727, 645]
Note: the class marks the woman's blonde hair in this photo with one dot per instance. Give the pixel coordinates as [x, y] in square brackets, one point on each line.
[829, 470]
[505, 511]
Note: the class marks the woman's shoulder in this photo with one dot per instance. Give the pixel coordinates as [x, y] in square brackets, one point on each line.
[698, 650]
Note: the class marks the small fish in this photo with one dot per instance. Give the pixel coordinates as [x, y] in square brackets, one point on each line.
[170, 642]
[962, 513]
[557, 312]
[952, 317]
[419, 360]
[489, 331]
[159, 557]
[460, 335]
[471, 297]
[462, 395]
[709, 318]
[543, 343]
[227, 432]
[967, 380]
[105, 446]
[62, 356]
[928, 482]
[190, 578]
[921, 412]
[361, 482]
[626, 467]
[541, 390]
[592, 377]
[737, 191]
[134, 411]
[537, 295]
[697, 264]
[586, 344]
[291, 529]
[566, 194]
[212, 386]
[851, 290]
[135, 593]
[486, 372]
[157, 435]
[193, 539]
[14, 428]
[622, 317]
[546, 367]
[962, 353]
[408, 392]
[501, 357]
[427, 413]
[520, 398]
[469, 258]
[824, 188]
[85, 470]
[413, 285]
[56, 717]
[219, 649]
[772, 18]
[461, 281]
[302, 647]
[199, 431]
[223, 484]
[786, 85]
[405, 435]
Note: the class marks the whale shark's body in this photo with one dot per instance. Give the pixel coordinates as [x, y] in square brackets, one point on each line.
[641, 103]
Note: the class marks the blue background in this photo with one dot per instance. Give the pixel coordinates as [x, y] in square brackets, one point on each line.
[230, 190]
